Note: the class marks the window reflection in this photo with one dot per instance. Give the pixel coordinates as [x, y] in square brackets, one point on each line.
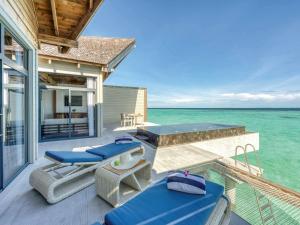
[13, 50]
[14, 152]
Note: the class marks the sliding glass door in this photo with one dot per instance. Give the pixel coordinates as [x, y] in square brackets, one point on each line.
[66, 112]
[13, 73]
[55, 116]
[82, 114]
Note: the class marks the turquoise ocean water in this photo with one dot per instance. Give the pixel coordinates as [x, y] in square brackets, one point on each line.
[279, 135]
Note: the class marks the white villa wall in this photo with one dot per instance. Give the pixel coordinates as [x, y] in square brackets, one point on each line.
[47, 109]
[60, 102]
[118, 99]
[68, 68]
[47, 101]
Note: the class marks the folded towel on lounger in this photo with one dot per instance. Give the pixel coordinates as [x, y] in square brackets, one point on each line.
[123, 140]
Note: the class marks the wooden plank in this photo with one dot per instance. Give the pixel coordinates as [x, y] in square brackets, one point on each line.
[24, 20]
[181, 157]
[54, 17]
[53, 40]
[83, 23]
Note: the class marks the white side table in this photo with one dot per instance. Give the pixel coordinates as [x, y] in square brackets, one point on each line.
[118, 186]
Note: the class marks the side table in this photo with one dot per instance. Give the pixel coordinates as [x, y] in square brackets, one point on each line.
[118, 186]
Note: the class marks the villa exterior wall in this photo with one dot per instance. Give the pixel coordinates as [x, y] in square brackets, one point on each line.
[22, 13]
[118, 99]
[68, 68]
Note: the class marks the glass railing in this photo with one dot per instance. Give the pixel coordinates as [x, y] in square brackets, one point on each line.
[256, 200]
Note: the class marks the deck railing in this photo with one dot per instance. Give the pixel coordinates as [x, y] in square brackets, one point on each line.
[52, 131]
[277, 204]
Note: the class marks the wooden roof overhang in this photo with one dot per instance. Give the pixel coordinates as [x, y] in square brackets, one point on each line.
[60, 22]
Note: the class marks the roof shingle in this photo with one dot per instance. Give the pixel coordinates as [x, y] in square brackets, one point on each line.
[97, 50]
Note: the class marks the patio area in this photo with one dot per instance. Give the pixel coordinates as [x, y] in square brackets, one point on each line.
[20, 204]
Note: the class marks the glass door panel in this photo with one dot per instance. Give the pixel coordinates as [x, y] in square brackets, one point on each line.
[82, 114]
[55, 114]
[13, 122]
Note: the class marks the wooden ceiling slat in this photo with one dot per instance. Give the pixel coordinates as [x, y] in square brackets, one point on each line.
[64, 18]
[54, 17]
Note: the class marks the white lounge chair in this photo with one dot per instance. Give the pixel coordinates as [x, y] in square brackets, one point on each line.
[71, 172]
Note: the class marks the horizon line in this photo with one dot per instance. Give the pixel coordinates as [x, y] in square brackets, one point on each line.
[293, 108]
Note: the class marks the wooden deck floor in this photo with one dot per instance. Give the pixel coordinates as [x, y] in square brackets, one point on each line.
[21, 205]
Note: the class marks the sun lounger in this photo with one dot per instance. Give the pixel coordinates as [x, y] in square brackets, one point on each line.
[71, 172]
[158, 205]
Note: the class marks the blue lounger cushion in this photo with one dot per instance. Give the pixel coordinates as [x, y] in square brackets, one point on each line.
[159, 205]
[73, 157]
[113, 149]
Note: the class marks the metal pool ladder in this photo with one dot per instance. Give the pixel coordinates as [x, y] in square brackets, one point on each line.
[263, 203]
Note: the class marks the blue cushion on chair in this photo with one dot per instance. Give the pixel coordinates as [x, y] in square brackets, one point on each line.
[107, 151]
[73, 157]
[158, 205]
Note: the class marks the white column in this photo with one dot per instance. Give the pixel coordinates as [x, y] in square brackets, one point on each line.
[90, 106]
[33, 106]
[5, 101]
[99, 104]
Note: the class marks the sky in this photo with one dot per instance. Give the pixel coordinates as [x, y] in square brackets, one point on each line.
[209, 53]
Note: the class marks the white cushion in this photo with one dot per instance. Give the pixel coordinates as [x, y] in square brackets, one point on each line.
[187, 183]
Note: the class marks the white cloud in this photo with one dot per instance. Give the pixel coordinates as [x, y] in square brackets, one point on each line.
[226, 99]
[173, 100]
[267, 97]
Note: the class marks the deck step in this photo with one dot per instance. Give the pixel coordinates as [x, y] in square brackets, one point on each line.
[260, 197]
[268, 218]
[268, 205]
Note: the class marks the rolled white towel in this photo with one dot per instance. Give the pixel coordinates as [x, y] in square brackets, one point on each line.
[123, 139]
[187, 183]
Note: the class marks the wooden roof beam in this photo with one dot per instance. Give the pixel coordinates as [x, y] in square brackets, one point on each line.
[59, 41]
[54, 16]
[91, 4]
[85, 19]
